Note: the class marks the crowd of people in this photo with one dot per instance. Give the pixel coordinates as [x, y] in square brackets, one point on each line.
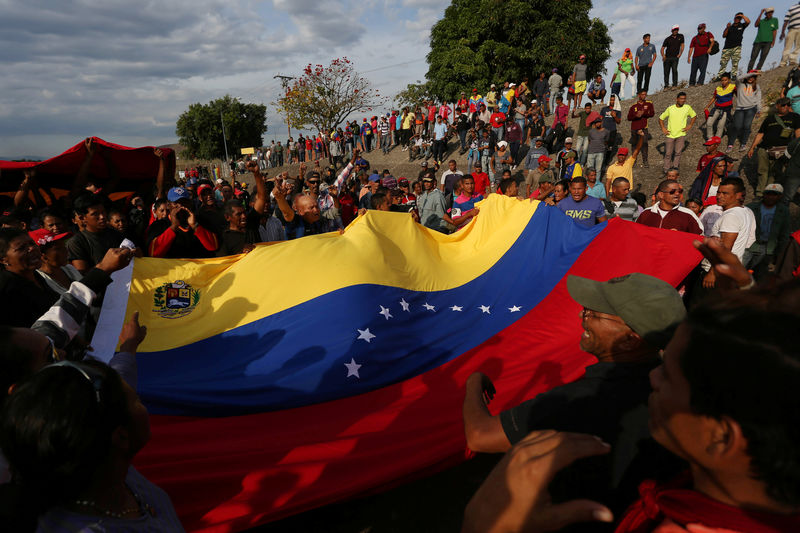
[72, 425]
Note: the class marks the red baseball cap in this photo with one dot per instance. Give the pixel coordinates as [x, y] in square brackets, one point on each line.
[712, 140]
[43, 236]
[622, 151]
[474, 90]
[544, 159]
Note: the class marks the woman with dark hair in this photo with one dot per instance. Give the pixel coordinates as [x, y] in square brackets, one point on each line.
[706, 184]
[70, 434]
[560, 191]
[24, 293]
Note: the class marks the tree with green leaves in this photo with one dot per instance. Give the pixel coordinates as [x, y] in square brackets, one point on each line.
[325, 96]
[480, 42]
[414, 94]
[199, 128]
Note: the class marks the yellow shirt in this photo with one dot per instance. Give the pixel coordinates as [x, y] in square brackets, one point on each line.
[625, 170]
[407, 121]
[677, 118]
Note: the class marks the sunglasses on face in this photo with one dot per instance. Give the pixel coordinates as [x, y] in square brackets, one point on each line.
[674, 191]
[314, 182]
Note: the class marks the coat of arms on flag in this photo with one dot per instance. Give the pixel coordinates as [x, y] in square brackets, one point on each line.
[175, 300]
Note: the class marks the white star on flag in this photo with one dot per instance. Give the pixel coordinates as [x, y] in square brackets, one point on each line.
[364, 334]
[404, 304]
[485, 309]
[429, 307]
[457, 308]
[352, 368]
[385, 312]
[515, 309]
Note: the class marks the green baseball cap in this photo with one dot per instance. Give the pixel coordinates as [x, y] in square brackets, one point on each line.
[651, 307]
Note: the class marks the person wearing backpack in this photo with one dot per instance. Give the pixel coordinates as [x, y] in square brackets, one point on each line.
[698, 55]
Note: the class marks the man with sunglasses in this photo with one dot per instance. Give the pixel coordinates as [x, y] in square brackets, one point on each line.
[667, 213]
[625, 322]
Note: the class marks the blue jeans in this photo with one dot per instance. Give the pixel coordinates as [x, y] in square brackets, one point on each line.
[498, 132]
[698, 70]
[462, 136]
[740, 127]
[595, 161]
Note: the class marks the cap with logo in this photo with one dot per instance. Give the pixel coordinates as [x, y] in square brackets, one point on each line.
[774, 187]
[43, 236]
[568, 140]
[652, 308]
[712, 140]
[178, 193]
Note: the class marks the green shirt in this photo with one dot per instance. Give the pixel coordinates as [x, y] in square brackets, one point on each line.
[677, 118]
[765, 29]
[626, 65]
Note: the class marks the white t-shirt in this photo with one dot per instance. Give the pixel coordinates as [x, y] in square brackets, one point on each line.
[712, 190]
[739, 220]
[448, 172]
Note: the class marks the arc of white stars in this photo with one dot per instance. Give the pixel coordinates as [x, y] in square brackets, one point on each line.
[456, 308]
[429, 307]
[385, 312]
[515, 309]
[404, 305]
[485, 309]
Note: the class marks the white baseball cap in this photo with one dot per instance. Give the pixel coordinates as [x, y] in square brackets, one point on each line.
[568, 140]
[774, 187]
[676, 27]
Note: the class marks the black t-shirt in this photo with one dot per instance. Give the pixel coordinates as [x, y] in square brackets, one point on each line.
[233, 242]
[213, 219]
[91, 247]
[23, 302]
[462, 123]
[186, 244]
[774, 133]
[735, 33]
[609, 401]
[672, 45]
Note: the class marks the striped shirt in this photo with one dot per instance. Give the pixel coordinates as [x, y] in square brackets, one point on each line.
[793, 16]
[724, 95]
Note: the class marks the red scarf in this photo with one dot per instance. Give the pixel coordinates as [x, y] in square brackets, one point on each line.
[677, 502]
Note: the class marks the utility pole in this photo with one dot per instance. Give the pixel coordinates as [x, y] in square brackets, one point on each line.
[285, 83]
[224, 139]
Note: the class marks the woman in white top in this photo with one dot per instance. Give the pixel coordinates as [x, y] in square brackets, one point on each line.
[55, 269]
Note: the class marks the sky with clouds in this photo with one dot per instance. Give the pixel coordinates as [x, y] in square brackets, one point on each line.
[125, 71]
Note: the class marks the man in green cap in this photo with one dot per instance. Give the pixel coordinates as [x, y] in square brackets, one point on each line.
[626, 321]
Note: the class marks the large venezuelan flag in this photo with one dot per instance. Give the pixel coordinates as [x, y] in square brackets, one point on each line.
[310, 371]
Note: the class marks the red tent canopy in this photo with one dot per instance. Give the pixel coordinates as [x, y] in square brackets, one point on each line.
[137, 169]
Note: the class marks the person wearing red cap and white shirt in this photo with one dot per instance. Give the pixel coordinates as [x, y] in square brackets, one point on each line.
[623, 167]
[712, 151]
[671, 52]
[698, 55]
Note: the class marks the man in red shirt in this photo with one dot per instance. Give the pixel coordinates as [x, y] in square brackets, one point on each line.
[698, 55]
[638, 114]
[667, 213]
[497, 120]
[432, 110]
[481, 178]
[711, 152]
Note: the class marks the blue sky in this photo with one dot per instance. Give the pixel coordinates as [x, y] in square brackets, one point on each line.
[125, 71]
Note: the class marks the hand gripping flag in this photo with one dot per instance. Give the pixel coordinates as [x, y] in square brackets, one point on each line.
[309, 371]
